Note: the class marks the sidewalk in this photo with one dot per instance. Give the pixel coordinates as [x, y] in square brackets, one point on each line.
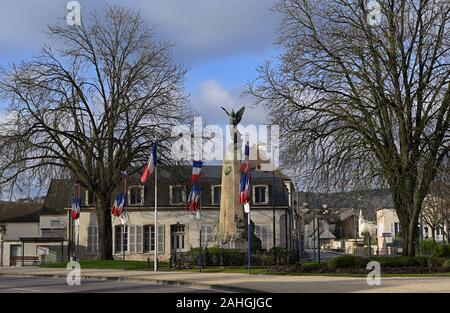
[234, 282]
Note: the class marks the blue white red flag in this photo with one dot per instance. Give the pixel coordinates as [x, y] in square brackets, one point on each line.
[193, 201]
[76, 208]
[150, 166]
[119, 205]
[196, 169]
[244, 185]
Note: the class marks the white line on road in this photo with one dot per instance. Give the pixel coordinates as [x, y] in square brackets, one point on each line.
[25, 289]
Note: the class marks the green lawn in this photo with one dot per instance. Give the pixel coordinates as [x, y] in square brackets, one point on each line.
[142, 265]
[112, 264]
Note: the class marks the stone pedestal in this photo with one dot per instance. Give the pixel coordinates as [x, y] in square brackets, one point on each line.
[232, 227]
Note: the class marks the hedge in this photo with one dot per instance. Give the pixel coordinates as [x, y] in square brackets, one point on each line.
[215, 256]
[401, 261]
[347, 261]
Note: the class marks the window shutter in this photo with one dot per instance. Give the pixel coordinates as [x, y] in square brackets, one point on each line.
[161, 236]
[96, 239]
[139, 239]
[132, 239]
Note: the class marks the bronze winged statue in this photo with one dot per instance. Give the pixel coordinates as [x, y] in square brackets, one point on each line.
[235, 117]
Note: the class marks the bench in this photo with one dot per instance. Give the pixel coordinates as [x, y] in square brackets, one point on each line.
[34, 260]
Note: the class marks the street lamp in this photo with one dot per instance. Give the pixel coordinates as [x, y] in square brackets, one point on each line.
[198, 216]
[324, 211]
[2, 233]
[303, 211]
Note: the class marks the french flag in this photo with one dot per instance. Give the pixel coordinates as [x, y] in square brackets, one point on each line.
[150, 166]
[244, 184]
[76, 208]
[118, 206]
[196, 169]
[193, 201]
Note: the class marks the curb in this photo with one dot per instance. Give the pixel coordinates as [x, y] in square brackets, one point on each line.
[215, 287]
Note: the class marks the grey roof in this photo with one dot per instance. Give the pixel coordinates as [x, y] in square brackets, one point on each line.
[60, 191]
[58, 197]
[15, 212]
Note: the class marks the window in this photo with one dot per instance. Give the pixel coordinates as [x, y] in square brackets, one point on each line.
[207, 233]
[395, 229]
[135, 239]
[149, 238]
[92, 245]
[55, 224]
[136, 195]
[215, 194]
[177, 237]
[177, 194]
[89, 198]
[52, 232]
[260, 194]
[261, 231]
[119, 235]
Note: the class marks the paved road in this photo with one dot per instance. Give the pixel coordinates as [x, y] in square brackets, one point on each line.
[17, 284]
[147, 281]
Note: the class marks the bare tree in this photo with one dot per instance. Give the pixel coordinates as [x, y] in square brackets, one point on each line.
[91, 108]
[363, 100]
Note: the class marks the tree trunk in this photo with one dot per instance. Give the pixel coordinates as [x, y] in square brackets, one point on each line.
[105, 242]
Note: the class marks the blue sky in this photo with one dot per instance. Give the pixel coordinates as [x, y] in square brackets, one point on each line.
[221, 41]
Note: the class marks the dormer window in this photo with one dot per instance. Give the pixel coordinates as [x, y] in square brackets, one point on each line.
[177, 195]
[89, 200]
[215, 194]
[136, 195]
[260, 194]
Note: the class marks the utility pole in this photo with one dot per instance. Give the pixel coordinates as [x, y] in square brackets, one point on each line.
[314, 233]
[273, 201]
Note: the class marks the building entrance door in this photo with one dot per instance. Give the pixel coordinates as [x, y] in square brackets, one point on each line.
[177, 237]
[15, 251]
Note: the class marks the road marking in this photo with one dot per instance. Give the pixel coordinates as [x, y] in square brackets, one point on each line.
[25, 289]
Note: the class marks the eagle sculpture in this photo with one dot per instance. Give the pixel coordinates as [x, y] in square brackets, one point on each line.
[235, 117]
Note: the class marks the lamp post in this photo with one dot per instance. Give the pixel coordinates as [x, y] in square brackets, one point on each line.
[304, 211]
[2, 233]
[197, 216]
[325, 211]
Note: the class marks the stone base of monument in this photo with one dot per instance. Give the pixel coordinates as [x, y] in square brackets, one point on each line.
[238, 240]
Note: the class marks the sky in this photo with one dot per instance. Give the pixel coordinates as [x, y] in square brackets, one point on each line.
[221, 42]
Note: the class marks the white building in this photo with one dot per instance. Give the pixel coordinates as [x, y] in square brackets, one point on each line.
[51, 225]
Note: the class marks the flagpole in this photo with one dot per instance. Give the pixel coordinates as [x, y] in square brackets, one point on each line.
[249, 242]
[123, 219]
[200, 261]
[155, 261]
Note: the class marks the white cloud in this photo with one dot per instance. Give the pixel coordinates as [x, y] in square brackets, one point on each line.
[210, 96]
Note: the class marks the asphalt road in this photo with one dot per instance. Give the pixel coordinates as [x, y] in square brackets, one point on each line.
[17, 284]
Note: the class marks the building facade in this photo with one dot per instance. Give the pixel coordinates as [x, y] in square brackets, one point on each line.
[178, 229]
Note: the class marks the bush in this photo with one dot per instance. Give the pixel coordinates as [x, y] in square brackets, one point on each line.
[311, 267]
[435, 262]
[446, 264]
[347, 261]
[443, 250]
[401, 261]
